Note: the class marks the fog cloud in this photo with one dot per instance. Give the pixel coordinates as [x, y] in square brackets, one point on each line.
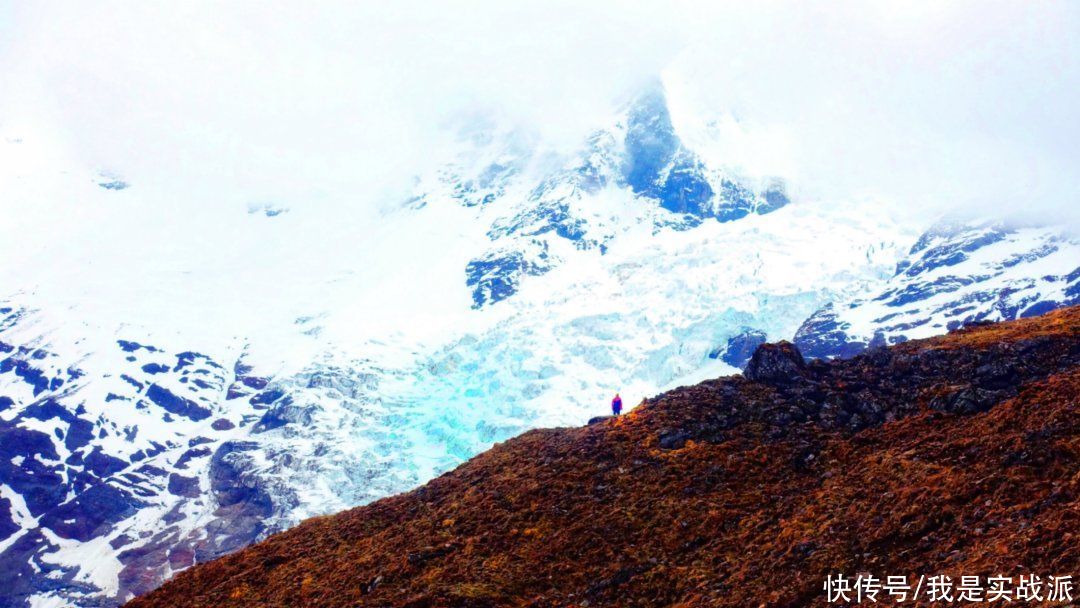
[935, 105]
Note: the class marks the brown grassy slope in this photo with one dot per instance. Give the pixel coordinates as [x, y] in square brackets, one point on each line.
[955, 455]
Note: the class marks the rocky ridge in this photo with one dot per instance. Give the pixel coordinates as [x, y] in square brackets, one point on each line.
[950, 455]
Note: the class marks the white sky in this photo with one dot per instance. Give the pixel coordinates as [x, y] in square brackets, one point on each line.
[914, 103]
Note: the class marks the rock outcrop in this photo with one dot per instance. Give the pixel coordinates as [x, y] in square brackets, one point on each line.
[780, 362]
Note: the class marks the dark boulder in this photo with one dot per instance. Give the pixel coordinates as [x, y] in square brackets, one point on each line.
[996, 375]
[775, 363]
[673, 439]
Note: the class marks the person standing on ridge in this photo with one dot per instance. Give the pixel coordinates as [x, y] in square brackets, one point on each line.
[616, 405]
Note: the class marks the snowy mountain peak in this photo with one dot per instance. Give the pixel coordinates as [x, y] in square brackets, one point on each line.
[634, 171]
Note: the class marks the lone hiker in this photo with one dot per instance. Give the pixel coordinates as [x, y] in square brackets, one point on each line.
[616, 405]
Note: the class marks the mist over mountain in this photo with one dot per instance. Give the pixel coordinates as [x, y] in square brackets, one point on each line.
[263, 265]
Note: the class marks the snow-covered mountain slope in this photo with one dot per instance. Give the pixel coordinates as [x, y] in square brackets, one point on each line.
[958, 272]
[535, 224]
[176, 382]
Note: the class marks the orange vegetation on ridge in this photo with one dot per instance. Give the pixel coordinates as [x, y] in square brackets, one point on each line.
[958, 455]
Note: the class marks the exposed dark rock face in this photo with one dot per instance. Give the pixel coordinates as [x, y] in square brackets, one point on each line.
[824, 336]
[496, 276]
[95, 509]
[175, 404]
[183, 486]
[7, 523]
[740, 348]
[956, 454]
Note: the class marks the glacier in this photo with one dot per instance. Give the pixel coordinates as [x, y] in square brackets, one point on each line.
[178, 381]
